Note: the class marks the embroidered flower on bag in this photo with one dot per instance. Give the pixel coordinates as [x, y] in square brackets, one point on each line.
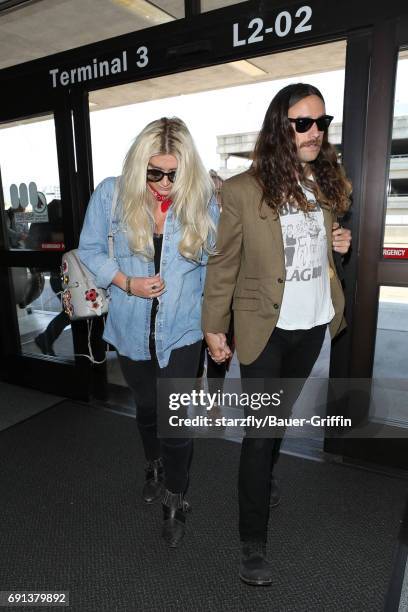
[91, 295]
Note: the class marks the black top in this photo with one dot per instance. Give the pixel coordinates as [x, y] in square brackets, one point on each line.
[158, 241]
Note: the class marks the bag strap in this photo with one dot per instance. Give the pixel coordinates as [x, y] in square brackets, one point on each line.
[113, 208]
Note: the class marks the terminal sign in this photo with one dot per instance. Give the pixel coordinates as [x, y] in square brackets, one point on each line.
[96, 68]
[284, 23]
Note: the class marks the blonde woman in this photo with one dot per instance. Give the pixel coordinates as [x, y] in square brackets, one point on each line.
[164, 229]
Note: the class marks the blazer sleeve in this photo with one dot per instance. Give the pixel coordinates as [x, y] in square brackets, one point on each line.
[338, 257]
[224, 266]
[93, 242]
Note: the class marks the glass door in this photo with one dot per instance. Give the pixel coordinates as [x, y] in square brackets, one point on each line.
[36, 222]
[33, 217]
[386, 350]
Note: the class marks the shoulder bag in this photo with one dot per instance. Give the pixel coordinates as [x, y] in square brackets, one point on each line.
[81, 298]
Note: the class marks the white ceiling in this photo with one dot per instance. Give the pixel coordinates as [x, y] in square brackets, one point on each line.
[46, 27]
[50, 26]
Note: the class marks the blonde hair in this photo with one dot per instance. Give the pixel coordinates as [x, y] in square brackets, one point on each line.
[191, 192]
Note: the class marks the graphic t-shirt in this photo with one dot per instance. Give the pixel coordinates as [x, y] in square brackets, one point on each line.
[306, 298]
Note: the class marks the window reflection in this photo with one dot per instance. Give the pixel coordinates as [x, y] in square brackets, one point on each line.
[43, 325]
[29, 169]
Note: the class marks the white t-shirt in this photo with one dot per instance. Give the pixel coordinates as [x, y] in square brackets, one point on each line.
[306, 298]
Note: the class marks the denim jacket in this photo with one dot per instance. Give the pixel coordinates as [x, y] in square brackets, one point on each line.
[178, 320]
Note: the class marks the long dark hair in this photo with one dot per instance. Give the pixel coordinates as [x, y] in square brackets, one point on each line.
[276, 165]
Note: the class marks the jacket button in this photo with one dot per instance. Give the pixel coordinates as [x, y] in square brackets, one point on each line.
[280, 280]
[276, 306]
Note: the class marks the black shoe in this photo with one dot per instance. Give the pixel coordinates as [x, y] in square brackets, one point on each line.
[275, 493]
[44, 346]
[174, 519]
[153, 487]
[254, 568]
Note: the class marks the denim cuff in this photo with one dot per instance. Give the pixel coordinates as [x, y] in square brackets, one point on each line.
[106, 272]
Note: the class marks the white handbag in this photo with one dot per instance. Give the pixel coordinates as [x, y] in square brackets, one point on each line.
[81, 298]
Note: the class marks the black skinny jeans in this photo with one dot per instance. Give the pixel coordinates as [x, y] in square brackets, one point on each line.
[287, 354]
[141, 377]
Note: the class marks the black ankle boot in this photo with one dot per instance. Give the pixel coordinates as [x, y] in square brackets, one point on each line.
[275, 493]
[174, 519]
[153, 487]
[254, 568]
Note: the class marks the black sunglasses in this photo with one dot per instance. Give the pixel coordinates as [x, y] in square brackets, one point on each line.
[155, 175]
[303, 124]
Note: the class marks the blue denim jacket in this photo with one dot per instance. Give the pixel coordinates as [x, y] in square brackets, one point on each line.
[178, 320]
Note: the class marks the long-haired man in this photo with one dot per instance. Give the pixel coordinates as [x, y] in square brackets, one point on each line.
[287, 203]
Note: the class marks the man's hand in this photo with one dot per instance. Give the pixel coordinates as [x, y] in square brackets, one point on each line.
[341, 237]
[218, 348]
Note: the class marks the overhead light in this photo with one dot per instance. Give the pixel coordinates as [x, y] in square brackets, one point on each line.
[147, 10]
[93, 104]
[248, 68]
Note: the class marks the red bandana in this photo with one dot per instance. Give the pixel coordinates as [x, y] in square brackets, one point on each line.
[165, 201]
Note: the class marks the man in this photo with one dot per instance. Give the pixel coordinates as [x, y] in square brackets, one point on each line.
[294, 189]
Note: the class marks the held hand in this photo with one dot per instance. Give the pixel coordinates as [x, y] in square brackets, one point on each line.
[147, 286]
[218, 348]
[341, 239]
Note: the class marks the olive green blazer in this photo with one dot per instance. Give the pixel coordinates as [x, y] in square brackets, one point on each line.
[247, 273]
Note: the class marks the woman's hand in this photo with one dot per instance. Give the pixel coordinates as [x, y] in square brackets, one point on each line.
[341, 237]
[147, 286]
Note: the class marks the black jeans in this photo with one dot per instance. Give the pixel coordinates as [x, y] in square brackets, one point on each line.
[141, 376]
[287, 354]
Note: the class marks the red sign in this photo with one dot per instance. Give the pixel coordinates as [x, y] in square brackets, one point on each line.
[53, 246]
[395, 253]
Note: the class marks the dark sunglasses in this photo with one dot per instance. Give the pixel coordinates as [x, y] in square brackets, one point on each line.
[154, 175]
[303, 124]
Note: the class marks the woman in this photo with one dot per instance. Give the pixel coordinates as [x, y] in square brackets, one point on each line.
[163, 228]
